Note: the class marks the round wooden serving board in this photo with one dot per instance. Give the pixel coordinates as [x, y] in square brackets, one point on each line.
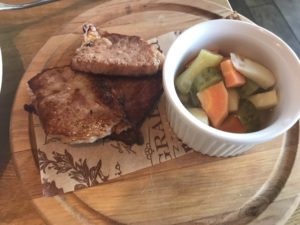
[259, 187]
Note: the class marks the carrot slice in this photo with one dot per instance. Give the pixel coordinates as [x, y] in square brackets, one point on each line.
[231, 76]
[214, 101]
[233, 124]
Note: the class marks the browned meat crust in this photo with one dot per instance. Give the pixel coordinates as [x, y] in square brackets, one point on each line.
[129, 136]
[116, 54]
[75, 107]
[79, 108]
[138, 97]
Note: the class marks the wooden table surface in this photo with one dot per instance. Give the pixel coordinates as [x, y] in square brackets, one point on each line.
[22, 34]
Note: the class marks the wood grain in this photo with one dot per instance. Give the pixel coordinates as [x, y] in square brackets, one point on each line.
[15, 205]
[23, 33]
[183, 191]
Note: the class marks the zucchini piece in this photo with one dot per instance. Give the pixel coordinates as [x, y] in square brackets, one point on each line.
[253, 70]
[248, 88]
[233, 100]
[208, 77]
[205, 59]
[265, 100]
[193, 97]
[199, 114]
[185, 100]
[248, 115]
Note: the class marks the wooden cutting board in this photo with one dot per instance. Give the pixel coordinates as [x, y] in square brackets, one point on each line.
[261, 187]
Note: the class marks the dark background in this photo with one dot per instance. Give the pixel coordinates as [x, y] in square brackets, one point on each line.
[282, 17]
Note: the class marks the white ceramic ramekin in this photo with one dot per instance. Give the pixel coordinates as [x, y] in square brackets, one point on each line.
[250, 41]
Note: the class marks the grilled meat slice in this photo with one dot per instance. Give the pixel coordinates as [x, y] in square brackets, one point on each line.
[116, 54]
[81, 108]
[76, 107]
[138, 97]
[130, 136]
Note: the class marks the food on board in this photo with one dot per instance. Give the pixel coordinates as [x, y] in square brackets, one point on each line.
[77, 107]
[116, 54]
[102, 94]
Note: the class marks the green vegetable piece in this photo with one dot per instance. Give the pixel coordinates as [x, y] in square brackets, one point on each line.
[233, 100]
[265, 100]
[248, 115]
[248, 88]
[209, 76]
[205, 59]
[185, 99]
[193, 97]
[199, 114]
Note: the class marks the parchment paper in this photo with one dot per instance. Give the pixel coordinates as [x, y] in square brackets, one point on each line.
[65, 168]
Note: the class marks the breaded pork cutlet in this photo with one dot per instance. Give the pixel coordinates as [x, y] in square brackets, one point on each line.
[116, 54]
